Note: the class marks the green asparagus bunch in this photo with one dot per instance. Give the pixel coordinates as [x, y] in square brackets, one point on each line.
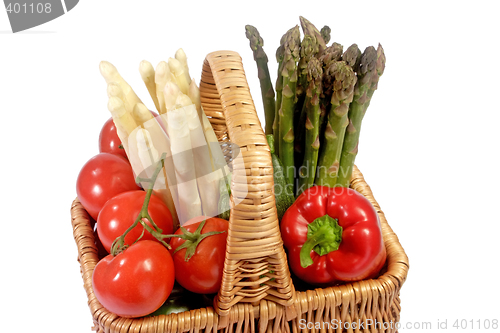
[316, 108]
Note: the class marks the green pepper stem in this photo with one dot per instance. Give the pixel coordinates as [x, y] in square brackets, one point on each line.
[324, 235]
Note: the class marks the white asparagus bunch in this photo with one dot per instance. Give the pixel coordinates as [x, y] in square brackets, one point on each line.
[195, 163]
[139, 132]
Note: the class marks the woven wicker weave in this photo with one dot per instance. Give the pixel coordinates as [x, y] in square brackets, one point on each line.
[257, 292]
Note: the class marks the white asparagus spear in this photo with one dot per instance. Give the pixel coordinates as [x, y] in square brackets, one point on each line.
[217, 157]
[181, 56]
[141, 113]
[207, 178]
[115, 90]
[122, 119]
[148, 77]
[183, 101]
[110, 74]
[182, 154]
[182, 78]
[155, 129]
[170, 94]
[162, 76]
[124, 122]
[194, 95]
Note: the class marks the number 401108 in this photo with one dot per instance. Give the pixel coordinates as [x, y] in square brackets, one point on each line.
[476, 324]
[39, 8]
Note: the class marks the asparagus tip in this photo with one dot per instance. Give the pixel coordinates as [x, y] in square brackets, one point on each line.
[253, 36]
[352, 56]
[311, 30]
[326, 33]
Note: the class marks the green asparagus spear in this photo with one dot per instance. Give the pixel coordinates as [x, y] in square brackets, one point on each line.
[288, 100]
[266, 87]
[307, 171]
[352, 56]
[279, 89]
[377, 75]
[308, 49]
[313, 45]
[333, 53]
[365, 72]
[343, 83]
[283, 193]
[311, 30]
[280, 52]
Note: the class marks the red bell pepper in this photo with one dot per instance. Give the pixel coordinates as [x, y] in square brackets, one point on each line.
[333, 235]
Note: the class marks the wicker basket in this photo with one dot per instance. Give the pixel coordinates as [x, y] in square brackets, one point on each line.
[257, 292]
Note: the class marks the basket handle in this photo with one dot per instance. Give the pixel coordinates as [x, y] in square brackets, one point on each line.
[256, 267]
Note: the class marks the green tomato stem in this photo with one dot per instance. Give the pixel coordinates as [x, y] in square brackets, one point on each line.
[192, 239]
[119, 243]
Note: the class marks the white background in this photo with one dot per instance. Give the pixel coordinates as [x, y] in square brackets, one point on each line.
[428, 149]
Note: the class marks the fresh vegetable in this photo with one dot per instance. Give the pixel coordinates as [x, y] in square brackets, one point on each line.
[224, 204]
[147, 72]
[332, 54]
[143, 218]
[199, 251]
[283, 192]
[101, 178]
[344, 80]
[368, 71]
[109, 142]
[181, 300]
[279, 88]
[267, 90]
[182, 131]
[183, 157]
[318, 91]
[326, 33]
[311, 107]
[120, 212]
[179, 304]
[312, 46]
[137, 281]
[333, 234]
[288, 99]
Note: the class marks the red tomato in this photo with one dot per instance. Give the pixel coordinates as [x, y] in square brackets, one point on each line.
[109, 142]
[120, 212]
[135, 282]
[202, 273]
[101, 178]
